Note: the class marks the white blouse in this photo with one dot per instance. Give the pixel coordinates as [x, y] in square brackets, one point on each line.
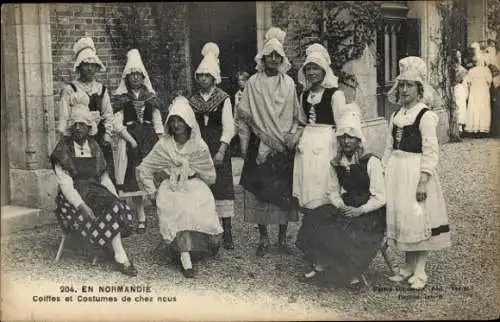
[428, 129]
[66, 182]
[377, 187]
[228, 128]
[338, 102]
[70, 98]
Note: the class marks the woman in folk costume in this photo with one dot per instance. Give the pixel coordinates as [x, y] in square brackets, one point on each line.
[341, 238]
[214, 114]
[479, 78]
[461, 92]
[138, 124]
[91, 94]
[267, 121]
[322, 103]
[186, 207]
[417, 220]
[87, 200]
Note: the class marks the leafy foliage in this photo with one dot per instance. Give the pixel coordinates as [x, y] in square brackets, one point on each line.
[452, 14]
[346, 28]
[154, 39]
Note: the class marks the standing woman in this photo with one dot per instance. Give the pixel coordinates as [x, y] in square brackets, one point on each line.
[214, 114]
[188, 221]
[479, 78]
[417, 220]
[138, 124]
[88, 92]
[267, 121]
[322, 103]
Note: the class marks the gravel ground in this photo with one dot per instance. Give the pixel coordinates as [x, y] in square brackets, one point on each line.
[463, 280]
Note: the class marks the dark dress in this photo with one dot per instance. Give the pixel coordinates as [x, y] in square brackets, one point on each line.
[143, 133]
[113, 216]
[323, 110]
[346, 246]
[95, 105]
[223, 189]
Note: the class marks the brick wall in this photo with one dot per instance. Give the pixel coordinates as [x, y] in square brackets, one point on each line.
[70, 22]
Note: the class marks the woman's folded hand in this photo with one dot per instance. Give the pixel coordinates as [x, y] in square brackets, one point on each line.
[86, 212]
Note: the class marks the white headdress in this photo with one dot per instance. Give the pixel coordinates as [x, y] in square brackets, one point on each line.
[350, 123]
[134, 64]
[318, 54]
[210, 62]
[413, 68]
[81, 114]
[274, 40]
[84, 52]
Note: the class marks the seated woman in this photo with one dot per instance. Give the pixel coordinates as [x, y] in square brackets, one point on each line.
[87, 199]
[186, 207]
[341, 239]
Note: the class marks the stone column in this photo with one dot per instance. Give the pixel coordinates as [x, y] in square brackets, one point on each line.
[264, 21]
[30, 103]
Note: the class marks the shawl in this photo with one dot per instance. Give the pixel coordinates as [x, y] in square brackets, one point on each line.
[64, 151]
[179, 163]
[145, 96]
[270, 113]
[200, 106]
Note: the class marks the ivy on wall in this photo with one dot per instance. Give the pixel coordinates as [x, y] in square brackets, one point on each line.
[154, 39]
[346, 28]
[493, 7]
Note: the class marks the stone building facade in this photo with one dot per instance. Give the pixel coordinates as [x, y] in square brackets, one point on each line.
[37, 60]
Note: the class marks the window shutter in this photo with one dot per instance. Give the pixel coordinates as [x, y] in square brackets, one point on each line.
[413, 37]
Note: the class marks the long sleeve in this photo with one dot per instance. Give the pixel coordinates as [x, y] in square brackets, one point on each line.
[430, 146]
[107, 112]
[66, 185]
[227, 122]
[106, 182]
[388, 144]
[338, 104]
[242, 127]
[157, 122]
[377, 186]
[334, 192]
[145, 171]
[64, 109]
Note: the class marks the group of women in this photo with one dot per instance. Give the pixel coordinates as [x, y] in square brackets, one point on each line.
[302, 155]
[477, 92]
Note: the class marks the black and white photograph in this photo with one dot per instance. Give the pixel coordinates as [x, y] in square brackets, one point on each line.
[250, 161]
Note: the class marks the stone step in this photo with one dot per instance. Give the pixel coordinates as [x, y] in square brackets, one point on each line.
[17, 218]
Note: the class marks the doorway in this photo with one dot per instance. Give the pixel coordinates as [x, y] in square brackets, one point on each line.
[232, 26]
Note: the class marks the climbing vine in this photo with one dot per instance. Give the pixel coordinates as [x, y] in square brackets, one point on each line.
[153, 36]
[346, 28]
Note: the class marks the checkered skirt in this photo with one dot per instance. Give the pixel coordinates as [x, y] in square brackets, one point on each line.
[111, 218]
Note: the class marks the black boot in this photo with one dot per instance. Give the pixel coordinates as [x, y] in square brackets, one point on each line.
[263, 247]
[227, 235]
[282, 243]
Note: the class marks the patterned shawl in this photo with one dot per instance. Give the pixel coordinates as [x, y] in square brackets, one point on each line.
[200, 106]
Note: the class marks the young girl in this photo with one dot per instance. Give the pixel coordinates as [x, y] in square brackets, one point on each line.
[322, 105]
[88, 92]
[188, 221]
[461, 92]
[138, 124]
[267, 121]
[242, 78]
[417, 221]
[212, 107]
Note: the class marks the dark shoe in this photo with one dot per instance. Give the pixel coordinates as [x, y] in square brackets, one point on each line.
[188, 273]
[141, 227]
[227, 235]
[128, 270]
[262, 249]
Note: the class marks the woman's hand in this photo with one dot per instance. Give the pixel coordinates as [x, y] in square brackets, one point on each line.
[353, 211]
[86, 211]
[107, 138]
[133, 143]
[218, 158]
[421, 194]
